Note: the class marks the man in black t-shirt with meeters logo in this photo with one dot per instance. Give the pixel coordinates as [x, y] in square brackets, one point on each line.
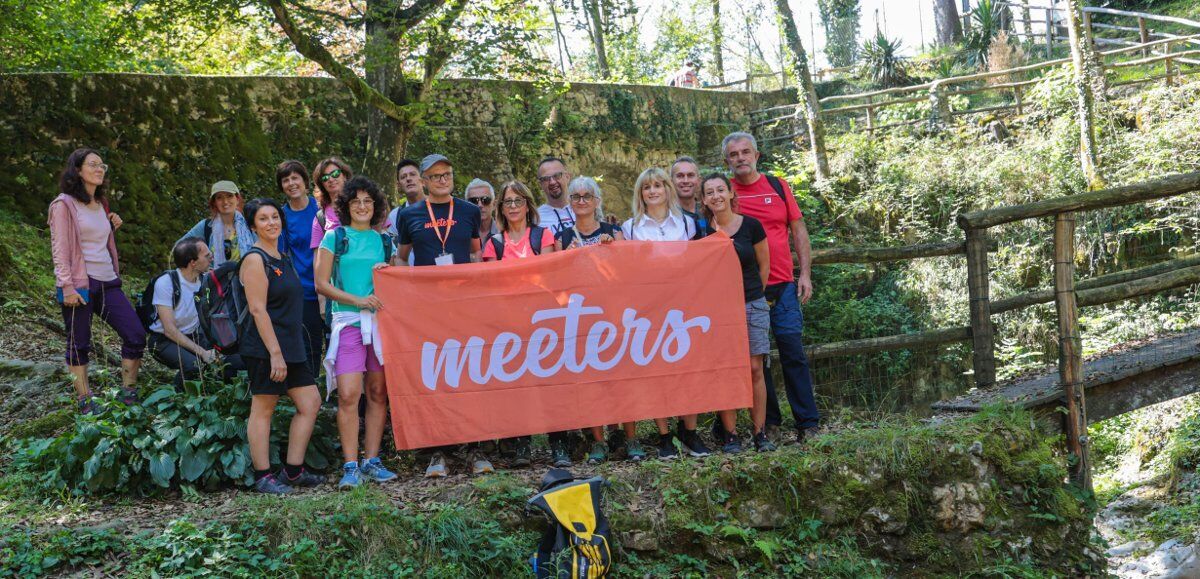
[439, 230]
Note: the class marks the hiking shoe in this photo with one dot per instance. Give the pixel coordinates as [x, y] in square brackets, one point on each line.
[616, 440]
[695, 447]
[803, 434]
[87, 405]
[479, 463]
[129, 396]
[351, 476]
[634, 451]
[271, 486]
[374, 470]
[762, 443]
[304, 479]
[559, 455]
[522, 454]
[732, 444]
[437, 466]
[598, 453]
[666, 447]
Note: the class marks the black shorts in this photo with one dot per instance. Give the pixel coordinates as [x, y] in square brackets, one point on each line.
[259, 372]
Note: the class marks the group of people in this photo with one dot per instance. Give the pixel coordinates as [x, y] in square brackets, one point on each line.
[305, 265]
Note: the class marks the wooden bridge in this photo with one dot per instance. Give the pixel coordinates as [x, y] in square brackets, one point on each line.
[1113, 384]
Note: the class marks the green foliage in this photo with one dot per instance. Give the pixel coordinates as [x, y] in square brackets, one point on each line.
[171, 438]
[840, 18]
[985, 24]
[882, 63]
[178, 36]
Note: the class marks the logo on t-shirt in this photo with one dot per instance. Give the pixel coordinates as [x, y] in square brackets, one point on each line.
[441, 222]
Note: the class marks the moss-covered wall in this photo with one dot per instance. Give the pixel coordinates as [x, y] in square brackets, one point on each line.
[167, 138]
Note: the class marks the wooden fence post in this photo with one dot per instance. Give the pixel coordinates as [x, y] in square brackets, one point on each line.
[1070, 351]
[870, 118]
[1169, 65]
[939, 107]
[1143, 36]
[984, 356]
[1087, 26]
[1049, 33]
[1017, 97]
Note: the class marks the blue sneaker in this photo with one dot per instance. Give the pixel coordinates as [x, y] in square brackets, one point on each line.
[351, 477]
[374, 470]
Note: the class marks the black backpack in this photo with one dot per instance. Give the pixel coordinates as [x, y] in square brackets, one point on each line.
[221, 306]
[576, 541]
[535, 241]
[777, 185]
[147, 312]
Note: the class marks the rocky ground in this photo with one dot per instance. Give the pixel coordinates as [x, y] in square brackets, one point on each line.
[1149, 514]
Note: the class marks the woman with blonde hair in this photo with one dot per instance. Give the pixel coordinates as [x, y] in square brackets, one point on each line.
[657, 216]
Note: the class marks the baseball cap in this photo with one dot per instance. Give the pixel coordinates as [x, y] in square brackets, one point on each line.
[224, 186]
[431, 160]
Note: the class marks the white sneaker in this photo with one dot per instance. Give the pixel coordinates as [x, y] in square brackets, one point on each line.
[437, 466]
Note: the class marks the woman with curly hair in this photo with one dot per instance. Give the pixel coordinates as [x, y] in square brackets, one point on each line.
[345, 261]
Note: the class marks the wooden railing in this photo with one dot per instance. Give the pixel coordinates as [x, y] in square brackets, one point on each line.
[939, 93]
[1156, 47]
[1066, 293]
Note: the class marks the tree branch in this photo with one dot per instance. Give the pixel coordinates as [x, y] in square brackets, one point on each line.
[316, 52]
[439, 51]
[410, 17]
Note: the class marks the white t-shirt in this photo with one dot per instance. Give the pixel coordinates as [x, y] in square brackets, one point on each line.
[186, 318]
[676, 227]
[393, 229]
[556, 220]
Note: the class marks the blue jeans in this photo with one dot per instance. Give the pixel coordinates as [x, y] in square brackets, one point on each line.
[787, 325]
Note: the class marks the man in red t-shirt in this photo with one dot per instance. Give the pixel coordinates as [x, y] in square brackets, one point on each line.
[770, 200]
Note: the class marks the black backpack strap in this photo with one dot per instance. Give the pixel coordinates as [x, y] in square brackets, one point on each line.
[535, 239]
[341, 244]
[175, 289]
[389, 245]
[498, 245]
[777, 185]
[208, 227]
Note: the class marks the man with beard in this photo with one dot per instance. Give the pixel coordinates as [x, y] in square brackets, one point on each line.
[685, 175]
[556, 214]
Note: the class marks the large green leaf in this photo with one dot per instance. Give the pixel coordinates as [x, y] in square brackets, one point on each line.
[194, 462]
[158, 396]
[162, 468]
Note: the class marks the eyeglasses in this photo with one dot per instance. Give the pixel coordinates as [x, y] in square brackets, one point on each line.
[549, 178]
[480, 200]
[334, 174]
[100, 166]
[447, 176]
[368, 202]
[582, 198]
[518, 202]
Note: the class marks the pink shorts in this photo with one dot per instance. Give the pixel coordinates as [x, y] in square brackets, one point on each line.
[352, 355]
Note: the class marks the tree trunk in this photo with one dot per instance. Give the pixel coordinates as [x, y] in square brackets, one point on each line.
[949, 25]
[387, 137]
[718, 59]
[1085, 105]
[596, 30]
[560, 40]
[808, 95]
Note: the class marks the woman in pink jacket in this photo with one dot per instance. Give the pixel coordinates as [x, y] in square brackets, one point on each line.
[86, 273]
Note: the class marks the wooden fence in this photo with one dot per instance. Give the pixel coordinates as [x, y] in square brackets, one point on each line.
[1067, 294]
[1151, 55]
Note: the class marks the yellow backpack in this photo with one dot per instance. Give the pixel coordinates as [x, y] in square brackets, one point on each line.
[575, 544]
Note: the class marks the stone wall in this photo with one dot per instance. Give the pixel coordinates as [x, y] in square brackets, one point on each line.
[167, 138]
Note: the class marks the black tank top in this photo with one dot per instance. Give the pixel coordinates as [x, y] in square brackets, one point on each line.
[285, 306]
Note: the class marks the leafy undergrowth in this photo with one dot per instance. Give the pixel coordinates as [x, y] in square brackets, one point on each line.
[979, 496]
[194, 438]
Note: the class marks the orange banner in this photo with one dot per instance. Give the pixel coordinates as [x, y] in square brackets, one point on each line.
[599, 335]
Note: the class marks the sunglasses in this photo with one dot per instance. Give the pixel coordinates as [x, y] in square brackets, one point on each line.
[518, 202]
[334, 174]
[480, 200]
